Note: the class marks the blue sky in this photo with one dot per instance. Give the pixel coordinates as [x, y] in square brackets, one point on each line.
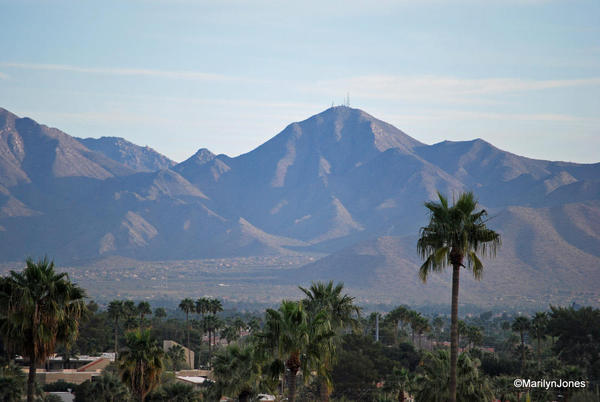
[179, 75]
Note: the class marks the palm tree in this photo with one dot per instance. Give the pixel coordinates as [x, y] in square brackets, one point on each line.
[433, 383]
[40, 308]
[438, 327]
[176, 356]
[116, 312]
[422, 326]
[413, 318]
[143, 309]
[396, 316]
[239, 324]
[399, 381]
[215, 306]
[188, 306]
[237, 371]
[521, 325]
[230, 333]
[176, 392]
[539, 325]
[12, 382]
[160, 313]
[210, 324]
[130, 313]
[340, 311]
[141, 364]
[202, 306]
[454, 234]
[474, 335]
[287, 333]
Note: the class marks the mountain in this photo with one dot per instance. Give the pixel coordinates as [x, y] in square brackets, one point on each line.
[341, 184]
[140, 159]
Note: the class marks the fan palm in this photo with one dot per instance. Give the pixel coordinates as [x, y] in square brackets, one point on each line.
[237, 372]
[397, 316]
[141, 364]
[455, 233]
[521, 325]
[188, 306]
[143, 309]
[340, 311]
[202, 306]
[210, 324]
[295, 338]
[116, 312]
[433, 384]
[215, 306]
[539, 325]
[40, 308]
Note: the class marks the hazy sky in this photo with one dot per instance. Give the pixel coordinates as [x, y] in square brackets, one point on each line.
[179, 75]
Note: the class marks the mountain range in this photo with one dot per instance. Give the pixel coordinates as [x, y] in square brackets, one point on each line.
[341, 184]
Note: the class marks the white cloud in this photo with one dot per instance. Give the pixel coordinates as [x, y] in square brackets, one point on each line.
[3, 76]
[438, 88]
[142, 72]
[428, 115]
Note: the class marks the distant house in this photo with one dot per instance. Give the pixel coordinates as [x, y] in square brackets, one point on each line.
[85, 372]
[64, 396]
[196, 378]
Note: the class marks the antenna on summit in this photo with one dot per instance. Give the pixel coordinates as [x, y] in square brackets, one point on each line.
[348, 99]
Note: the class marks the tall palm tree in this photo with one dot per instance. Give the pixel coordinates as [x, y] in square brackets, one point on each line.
[130, 313]
[188, 306]
[160, 313]
[521, 325]
[215, 306]
[143, 309]
[237, 371]
[399, 381]
[455, 234]
[141, 364]
[422, 327]
[240, 325]
[397, 316]
[287, 333]
[40, 308]
[116, 312]
[414, 319]
[433, 383]
[438, 327]
[202, 306]
[210, 324]
[340, 311]
[539, 327]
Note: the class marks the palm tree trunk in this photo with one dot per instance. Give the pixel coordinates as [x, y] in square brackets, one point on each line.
[538, 352]
[187, 323]
[116, 339]
[293, 365]
[324, 390]
[292, 385]
[209, 346]
[401, 395]
[454, 332]
[522, 352]
[31, 381]
[244, 396]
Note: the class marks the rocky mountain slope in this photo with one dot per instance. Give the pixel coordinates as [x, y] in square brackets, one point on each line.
[341, 182]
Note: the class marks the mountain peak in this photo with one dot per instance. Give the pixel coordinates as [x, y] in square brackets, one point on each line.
[202, 156]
